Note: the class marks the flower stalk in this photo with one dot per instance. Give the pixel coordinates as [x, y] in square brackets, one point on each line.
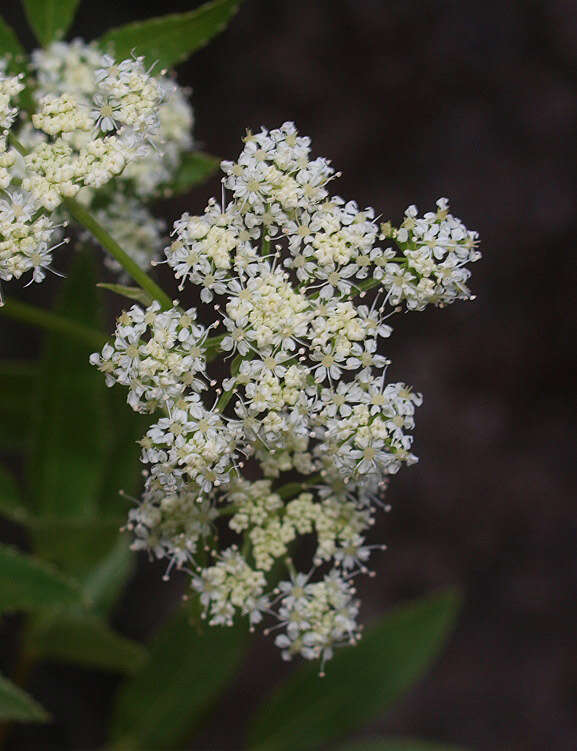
[87, 220]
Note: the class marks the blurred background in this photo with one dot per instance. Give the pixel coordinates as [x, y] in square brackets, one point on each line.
[415, 100]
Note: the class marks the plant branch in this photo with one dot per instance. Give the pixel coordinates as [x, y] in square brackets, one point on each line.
[85, 218]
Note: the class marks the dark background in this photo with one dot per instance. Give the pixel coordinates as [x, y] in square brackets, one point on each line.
[414, 100]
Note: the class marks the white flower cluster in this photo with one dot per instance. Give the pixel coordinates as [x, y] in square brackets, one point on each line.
[298, 439]
[171, 524]
[435, 249]
[95, 119]
[93, 138]
[159, 355]
[27, 236]
[10, 87]
[79, 70]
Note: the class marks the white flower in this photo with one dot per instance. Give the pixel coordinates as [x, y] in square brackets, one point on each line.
[27, 238]
[296, 435]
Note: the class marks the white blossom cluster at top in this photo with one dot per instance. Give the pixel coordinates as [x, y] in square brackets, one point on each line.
[93, 119]
[297, 440]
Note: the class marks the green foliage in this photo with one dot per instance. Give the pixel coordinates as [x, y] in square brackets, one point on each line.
[70, 442]
[29, 584]
[84, 639]
[71, 437]
[9, 44]
[17, 706]
[33, 316]
[123, 469]
[78, 539]
[50, 19]
[83, 450]
[132, 293]
[17, 384]
[306, 712]
[195, 168]
[106, 580]
[74, 544]
[11, 505]
[397, 744]
[186, 671]
[169, 40]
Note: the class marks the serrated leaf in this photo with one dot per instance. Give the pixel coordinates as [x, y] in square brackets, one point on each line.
[171, 693]
[106, 580]
[307, 712]
[17, 386]
[398, 744]
[49, 19]
[169, 40]
[11, 504]
[195, 168]
[17, 706]
[70, 444]
[84, 639]
[9, 44]
[29, 584]
[133, 293]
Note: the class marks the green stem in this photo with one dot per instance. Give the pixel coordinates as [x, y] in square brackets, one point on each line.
[227, 395]
[212, 347]
[17, 145]
[265, 245]
[292, 489]
[364, 287]
[53, 322]
[291, 567]
[85, 218]
[225, 398]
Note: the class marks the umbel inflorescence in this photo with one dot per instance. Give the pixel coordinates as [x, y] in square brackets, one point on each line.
[108, 133]
[281, 463]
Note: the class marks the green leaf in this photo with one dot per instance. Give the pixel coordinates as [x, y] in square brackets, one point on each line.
[169, 40]
[84, 639]
[106, 580]
[9, 44]
[74, 441]
[397, 744]
[185, 673]
[362, 681]
[69, 452]
[75, 545]
[17, 386]
[79, 539]
[17, 706]
[123, 468]
[11, 505]
[50, 19]
[195, 168]
[133, 293]
[29, 584]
